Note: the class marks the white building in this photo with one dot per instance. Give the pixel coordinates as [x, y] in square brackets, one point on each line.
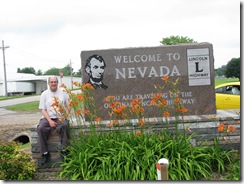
[22, 83]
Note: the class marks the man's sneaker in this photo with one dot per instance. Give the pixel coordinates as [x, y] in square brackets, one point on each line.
[45, 158]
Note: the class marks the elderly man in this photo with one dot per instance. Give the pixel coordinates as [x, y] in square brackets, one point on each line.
[51, 119]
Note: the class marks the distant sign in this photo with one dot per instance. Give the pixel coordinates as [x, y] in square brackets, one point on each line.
[132, 73]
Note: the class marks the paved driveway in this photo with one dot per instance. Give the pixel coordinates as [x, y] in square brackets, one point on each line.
[5, 103]
[13, 123]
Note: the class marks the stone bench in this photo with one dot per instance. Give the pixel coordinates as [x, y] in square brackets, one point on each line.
[54, 146]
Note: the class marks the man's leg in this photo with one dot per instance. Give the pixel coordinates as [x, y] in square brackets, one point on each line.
[62, 128]
[43, 130]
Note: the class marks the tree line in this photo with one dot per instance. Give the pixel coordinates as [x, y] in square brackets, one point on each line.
[231, 70]
[67, 71]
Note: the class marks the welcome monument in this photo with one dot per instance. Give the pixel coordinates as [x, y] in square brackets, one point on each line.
[129, 73]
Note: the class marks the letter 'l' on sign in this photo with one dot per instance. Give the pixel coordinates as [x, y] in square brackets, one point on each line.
[197, 67]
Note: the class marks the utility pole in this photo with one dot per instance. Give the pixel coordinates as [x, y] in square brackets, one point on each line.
[4, 68]
[71, 71]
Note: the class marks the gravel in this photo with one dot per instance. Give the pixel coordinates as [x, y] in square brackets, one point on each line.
[14, 122]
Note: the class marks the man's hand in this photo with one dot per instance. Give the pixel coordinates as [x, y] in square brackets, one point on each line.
[52, 123]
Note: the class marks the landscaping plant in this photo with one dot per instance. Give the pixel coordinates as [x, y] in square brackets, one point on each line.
[15, 165]
[112, 151]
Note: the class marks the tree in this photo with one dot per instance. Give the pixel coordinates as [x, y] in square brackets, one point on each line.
[52, 71]
[233, 68]
[173, 40]
[67, 70]
[26, 70]
[55, 71]
[39, 72]
[220, 71]
[78, 73]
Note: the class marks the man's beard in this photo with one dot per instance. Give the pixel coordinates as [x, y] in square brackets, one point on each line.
[97, 80]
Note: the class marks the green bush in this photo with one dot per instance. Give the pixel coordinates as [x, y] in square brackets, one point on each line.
[121, 155]
[235, 169]
[15, 165]
[128, 156]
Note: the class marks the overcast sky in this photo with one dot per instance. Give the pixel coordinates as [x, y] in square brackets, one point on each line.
[51, 33]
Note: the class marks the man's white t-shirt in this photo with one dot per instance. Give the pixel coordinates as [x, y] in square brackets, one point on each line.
[47, 99]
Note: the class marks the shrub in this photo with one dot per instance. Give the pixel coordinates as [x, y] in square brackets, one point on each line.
[121, 155]
[15, 165]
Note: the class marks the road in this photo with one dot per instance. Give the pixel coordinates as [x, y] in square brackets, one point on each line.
[11, 121]
[8, 116]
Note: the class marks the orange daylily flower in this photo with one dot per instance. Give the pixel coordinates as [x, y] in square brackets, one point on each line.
[109, 98]
[221, 127]
[153, 102]
[158, 96]
[163, 101]
[54, 105]
[166, 114]
[61, 110]
[86, 111]
[98, 119]
[141, 122]
[60, 119]
[138, 133]
[184, 110]
[177, 100]
[140, 109]
[119, 110]
[76, 84]
[135, 101]
[165, 78]
[115, 121]
[78, 112]
[74, 103]
[109, 124]
[178, 109]
[55, 101]
[87, 86]
[231, 128]
[81, 97]
[137, 108]
[63, 85]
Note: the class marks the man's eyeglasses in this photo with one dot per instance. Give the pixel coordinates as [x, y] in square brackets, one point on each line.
[53, 82]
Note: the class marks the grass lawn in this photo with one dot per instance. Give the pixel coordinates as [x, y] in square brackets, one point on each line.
[30, 106]
[225, 80]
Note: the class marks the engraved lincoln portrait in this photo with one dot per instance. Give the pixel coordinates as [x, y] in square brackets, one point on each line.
[95, 66]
